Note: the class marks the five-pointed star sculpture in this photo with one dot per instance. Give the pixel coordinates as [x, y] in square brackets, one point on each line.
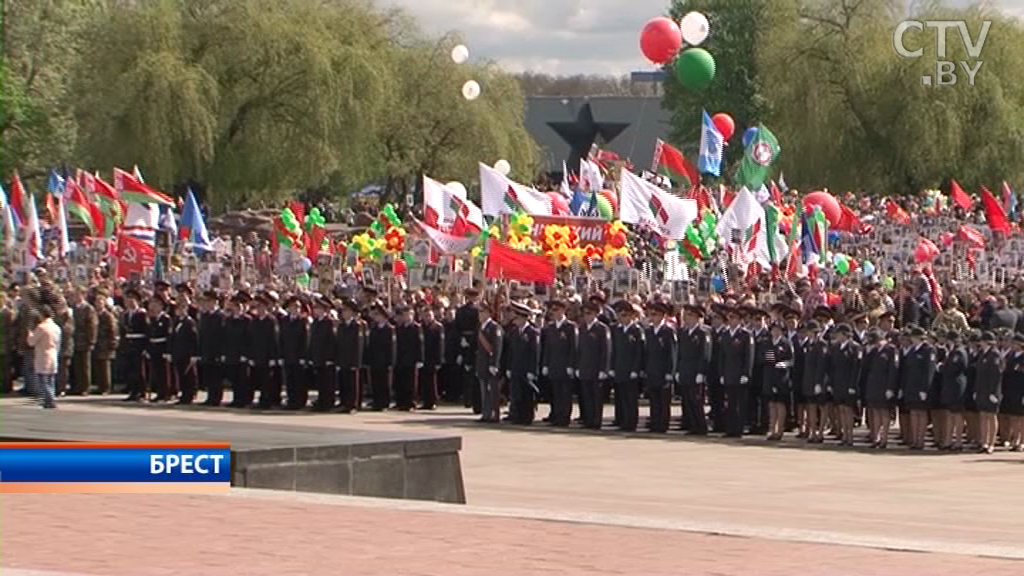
[581, 133]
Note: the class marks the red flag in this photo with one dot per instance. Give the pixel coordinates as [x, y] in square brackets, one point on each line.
[849, 221]
[926, 251]
[505, 262]
[896, 213]
[133, 256]
[936, 289]
[131, 189]
[51, 208]
[971, 236]
[299, 209]
[314, 240]
[777, 194]
[994, 212]
[18, 197]
[960, 197]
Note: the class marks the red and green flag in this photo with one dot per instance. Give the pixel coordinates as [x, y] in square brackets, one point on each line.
[132, 189]
[670, 163]
[79, 206]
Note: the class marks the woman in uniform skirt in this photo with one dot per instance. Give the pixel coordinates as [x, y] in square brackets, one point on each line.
[970, 411]
[879, 381]
[812, 386]
[1012, 405]
[949, 416]
[777, 385]
[988, 386]
[844, 363]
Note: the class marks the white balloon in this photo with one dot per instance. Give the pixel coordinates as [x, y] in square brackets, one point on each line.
[503, 166]
[695, 28]
[460, 54]
[458, 188]
[471, 90]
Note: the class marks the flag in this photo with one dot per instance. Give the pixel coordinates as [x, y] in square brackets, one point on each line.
[935, 289]
[577, 202]
[134, 256]
[782, 183]
[565, 189]
[711, 146]
[794, 241]
[193, 227]
[896, 213]
[994, 213]
[774, 247]
[107, 203]
[9, 227]
[500, 195]
[504, 262]
[19, 199]
[960, 197]
[445, 209]
[850, 222]
[777, 195]
[670, 162]
[80, 207]
[444, 242]
[33, 242]
[819, 232]
[141, 221]
[971, 236]
[758, 159]
[591, 179]
[130, 188]
[644, 203]
[744, 212]
[1009, 201]
[167, 222]
[51, 209]
[55, 184]
[63, 240]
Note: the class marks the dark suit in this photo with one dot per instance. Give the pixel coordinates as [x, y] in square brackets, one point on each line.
[322, 350]
[594, 363]
[988, 381]
[954, 380]
[185, 356]
[487, 367]
[558, 363]
[880, 377]
[263, 352]
[660, 368]
[627, 363]
[736, 364]
[134, 328]
[234, 361]
[467, 322]
[694, 357]
[844, 363]
[159, 333]
[351, 340]
[409, 350]
[294, 356]
[523, 347]
[211, 366]
[381, 349]
[917, 371]
[433, 359]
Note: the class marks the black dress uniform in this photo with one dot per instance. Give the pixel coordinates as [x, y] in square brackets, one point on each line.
[844, 364]
[559, 341]
[294, 332]
[451, 376]
[523, 345]
[467, 322]
[627, 364]
[880, 377]
[408, 361]
[954, 379]
[715, 391]
[736, 365]
[988, 381]
[694, 357]
[263, 351]
[776, 366]
[233, 357]
[433, 360]
[1012, 403]
[381, 349]
[757, 406]
[134, 330]
[660, 369]
[918, 370]
[351, 341]
[185, 356]
[487, 365]
[158, 333]
[211, 367]
[322, 349]
[593, 365]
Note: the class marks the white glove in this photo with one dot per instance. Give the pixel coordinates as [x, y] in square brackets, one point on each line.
[223, 358]
[493, 370]
[722, 380]
[576, 373]
[271, 363]
[889, 395]
[419, 365]
[699, 379]
[668, 377]
[993, 398]
[744, 379]
[508, 373]
[531, 377]
[780, 365]
[280, 361]
[611, 373]
[167, 357]
[851, 391]
[463, 343]
[633, 375]
[302, 362]
[817, 389]
[243, 359]
[458, 360]
[252, 363]
[544, 371]
[570, 372]
[922, 395]
[330, 363]
[602, 375]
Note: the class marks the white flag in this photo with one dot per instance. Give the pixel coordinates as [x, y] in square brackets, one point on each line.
[499, 195]
[442, 206]
[641, 202]
[447, 243]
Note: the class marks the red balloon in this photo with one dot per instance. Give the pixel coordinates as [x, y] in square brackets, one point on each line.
[609, 195]
[661, 40]
[399, 267]
[829, 205]
[559, 205]
[724, 123]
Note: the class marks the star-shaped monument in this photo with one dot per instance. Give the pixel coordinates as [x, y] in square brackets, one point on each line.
[581, 133]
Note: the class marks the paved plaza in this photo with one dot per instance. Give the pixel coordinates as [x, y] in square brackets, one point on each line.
[544, 501]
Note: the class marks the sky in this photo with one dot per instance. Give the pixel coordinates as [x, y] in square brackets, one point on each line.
[558, 36]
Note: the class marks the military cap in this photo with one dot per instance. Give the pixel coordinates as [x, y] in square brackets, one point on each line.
[988, 337]
[522, 309]
[132, 293]
[861, 317]
[350, 304]
[323, 301]
[553, 304]
[292, 300]
[599, 296]
[915, 331]
[161, 284]
[873, 336]
[242, 297]
[185, 288]
[952, 335]
[887, 314]
[590, 306]
[655, 306]
[693, 309]
[842, 329]
[159, 299]
[732, 311]
[823, 312]
[1018, 338]
[754, 312]
[472, 292]
[791, 313]
[776, 325]
[272, 296]
[812, 325]
[210, 295]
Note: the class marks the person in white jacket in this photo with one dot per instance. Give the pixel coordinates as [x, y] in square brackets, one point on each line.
[45, 341]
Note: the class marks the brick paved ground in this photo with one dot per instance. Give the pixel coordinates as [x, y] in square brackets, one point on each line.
[160, 535]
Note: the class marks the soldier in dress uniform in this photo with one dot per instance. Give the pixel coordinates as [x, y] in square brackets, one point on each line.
[523, 345]
[294, 329]
[322, 352]
[844, 365]
[593, 363]
[381, 346]
[918, 370]
[211, 348]
[433, 357]
[559, 340]
[86, 332]
[351, 342]
[860, 324]
[777, 380]
[757, 407]
[263, 351]
[184, 350]
[234, 358]
[627, 364]
[1012, 405]
[796, 409]
[715, 391]
[660, 366]
[467, 322]
[879, 381]
[736, 365]
[694, 357]
[409, 346]
[106, 343]
[947, 421]
[815, 374]
[988, 380]
[490, 343]
[185, 294]
[157, 350]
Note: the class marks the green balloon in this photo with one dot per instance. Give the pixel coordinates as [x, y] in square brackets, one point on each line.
[695, 68]
[604, 208]
[302, 279]
[843, 267]
[888, 283]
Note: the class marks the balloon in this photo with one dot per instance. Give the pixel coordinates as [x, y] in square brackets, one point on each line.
[457, 188]
[888, 283]
[604, 208]
[833, 238]
[749, 135]
[460, 54]
[843, 266]
[695, 68]
[559, 205]
[613, 201]
[694, 28]
[503, 167]
[829, 205]
[302, 279]
[306, 264]
[717, 284]
[471, 90]
[725, 124]
[869, 268]
[399, 267]
[661, 40]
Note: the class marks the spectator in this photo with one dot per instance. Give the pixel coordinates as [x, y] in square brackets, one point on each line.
[44, 340]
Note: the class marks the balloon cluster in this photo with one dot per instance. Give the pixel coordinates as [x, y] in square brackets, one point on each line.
[561, 244]
[844, 264]
[314, 219]
[701, 239]
[288, 229]
[385, 235]
[520, 233]
[482, 245]
[616, 243]
[368, 247]
[607, 204]
[662, 39]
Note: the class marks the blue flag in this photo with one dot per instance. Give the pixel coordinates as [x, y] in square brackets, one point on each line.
[193, 227]
[55, 184]
[711, 145]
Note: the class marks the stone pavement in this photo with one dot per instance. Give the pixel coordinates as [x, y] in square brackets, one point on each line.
[958, 504]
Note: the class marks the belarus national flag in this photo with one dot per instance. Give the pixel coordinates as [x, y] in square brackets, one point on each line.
[132, 189]
[499, 195]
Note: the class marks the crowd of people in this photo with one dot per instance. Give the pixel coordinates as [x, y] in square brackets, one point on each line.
[844, 371]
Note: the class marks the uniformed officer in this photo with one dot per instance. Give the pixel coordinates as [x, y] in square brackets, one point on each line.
[409, 346]
[86, 333]
[815, 356]
[234, 360]
[106, 343]
[627, 364]
[322, 352]
[490, 344]
[714, 390]
[988, 380]
[351, 341]
[134, 327]
[211, 348]
[660, 366]
[157, 350]
[593, 364]
[294, 329]
[381, 351]
[523, 345]
[918, 369]
[184, 349]
[758, 405]
[948, 422]
[263, 350]
[736, 364]
[559, 340]
[777, 380]
[467, 322]
[880, 382]
[694, 357]
[1012, 405]
[433, 357]
[844, 365]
